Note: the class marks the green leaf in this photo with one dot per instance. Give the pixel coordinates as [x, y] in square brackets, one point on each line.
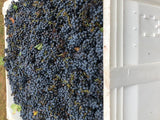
[96, 80]
[15, 7]
[20, 53]
[15, 108]
[1, 61]
[39, 46]
[24, 4]
[19, 108]
[101, 29]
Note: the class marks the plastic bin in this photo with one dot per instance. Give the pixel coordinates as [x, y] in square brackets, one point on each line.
[9, 102]
[135, 60]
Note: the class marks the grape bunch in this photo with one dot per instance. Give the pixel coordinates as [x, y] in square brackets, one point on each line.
[54, 58]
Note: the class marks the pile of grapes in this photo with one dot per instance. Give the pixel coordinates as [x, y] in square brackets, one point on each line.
[54, 58]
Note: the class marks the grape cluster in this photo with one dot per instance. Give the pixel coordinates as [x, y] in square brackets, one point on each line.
[54, 58]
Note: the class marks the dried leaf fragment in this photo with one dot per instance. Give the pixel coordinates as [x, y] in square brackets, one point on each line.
[35, 3]
[12, 20]
[62, 54]
[77, 49]
[35, 113]
[54, 30]
[92, 29]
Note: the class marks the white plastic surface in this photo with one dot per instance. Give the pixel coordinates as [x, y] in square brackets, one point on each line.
[133, 75]
[142, 102]
[139, 102]
[9, 102]
[148, 101]
[135, 60]
[131, 104]
[135, 36]
[141, 33]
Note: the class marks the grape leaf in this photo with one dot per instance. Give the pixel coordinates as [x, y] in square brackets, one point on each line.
[19, 108]
[101, 29]
[1, 61]
[20, 53]
[39, 46]
[24, 4]
[15, 7]
[15, 108]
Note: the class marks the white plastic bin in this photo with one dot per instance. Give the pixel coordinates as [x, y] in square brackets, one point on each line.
[9, 102]
[135, 60]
